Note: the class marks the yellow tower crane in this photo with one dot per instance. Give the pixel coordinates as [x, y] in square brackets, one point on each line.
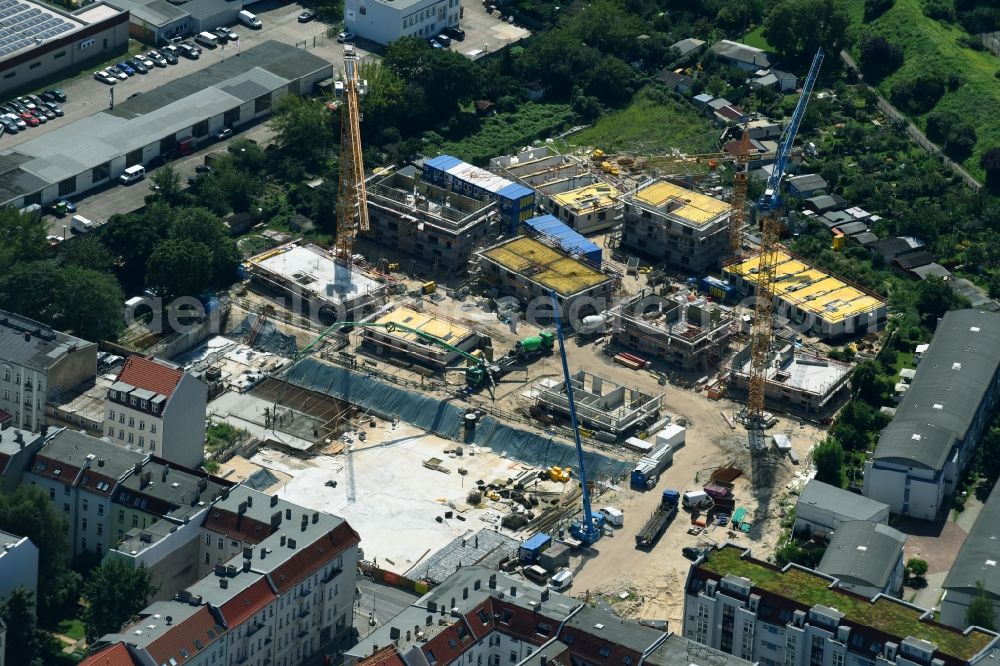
[352, 199]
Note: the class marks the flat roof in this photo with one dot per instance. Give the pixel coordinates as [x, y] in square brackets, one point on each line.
[449, 332]
[977, 560]
[27, 25]
[312, 269]
[41, 349]
[688, 205]
[594, 197]
[544, 265]
[811, 289]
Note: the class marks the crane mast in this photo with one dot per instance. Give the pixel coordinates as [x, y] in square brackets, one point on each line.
[352, 199]
[762, 332]
[737, 219]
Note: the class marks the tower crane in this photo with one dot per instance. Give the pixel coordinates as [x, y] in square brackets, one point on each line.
[762, 332]
[589, 529]
[352, 199]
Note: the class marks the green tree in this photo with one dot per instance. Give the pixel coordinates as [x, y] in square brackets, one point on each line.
[386, 98]
[916, 567]
[29, 512]
[302, 127]
[797, 27]
[115, 592]
[867, 382]
[828, 457]
[24, 640]
[880, 57]
[22, 237]
[990, 162]
[87, 252]
[980, 612]
[167, 182]
[202, 226]
[91, 304]
[934, 298]
[180, 267]
[132, 237]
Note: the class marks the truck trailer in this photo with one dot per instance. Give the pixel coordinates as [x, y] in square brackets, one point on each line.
[657, 523]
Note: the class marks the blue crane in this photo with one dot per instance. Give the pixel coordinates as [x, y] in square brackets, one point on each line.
[589, 529]
[771, 198]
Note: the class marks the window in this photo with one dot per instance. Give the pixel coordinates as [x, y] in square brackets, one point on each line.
[100, 529]
[152, 427]
[837, 658]
[135, 520]
[100, 172]
[121, 515]
[627, 660]
[142, 404]
[207, 558]
[142, 425]
[208, 539]
[111, 414]
[84, 505]
[221, 543]
[505, 616]
[152, 445]
[142, 441]
[130, 438]
[52, 493]
[121, 419]
[65, 490]
[61, 54]
[66, 508]
[513, 656]
[68, 186]
[121, 434]
[83, 544]
[605, 651]
[131, 420]
[100, 509]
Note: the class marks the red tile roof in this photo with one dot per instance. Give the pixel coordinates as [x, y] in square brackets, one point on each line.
[98, 484]
[116, 655]
[245, 529]
[182, 636]
[247, 603]
[449, 645]
[588, 647]
[387, 656]
[48, 468]
[312, 557]
[150, 375]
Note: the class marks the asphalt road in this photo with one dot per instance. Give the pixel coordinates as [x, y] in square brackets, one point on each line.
[386, 602]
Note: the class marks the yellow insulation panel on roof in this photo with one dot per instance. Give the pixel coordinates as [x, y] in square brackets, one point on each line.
[449, 332]
[544, 265]
[592, 197]
[810, 289]
[696, 208]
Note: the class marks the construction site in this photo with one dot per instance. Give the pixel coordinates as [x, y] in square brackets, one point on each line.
[511, 385]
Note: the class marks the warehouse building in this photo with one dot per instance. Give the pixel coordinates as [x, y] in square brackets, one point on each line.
[385, 21]
[409, 345]
[691, 334]
[180, 115]
[437, 225]
[814, 300]
[797, 381]
[821, 509]
[529, 270]
[516, 202]
[38, 42]
[866, 558]
[922, 453]
[158, 21]
[587, 209]
[800, 617]
[317, 286]
[677, 225]
[975, 565]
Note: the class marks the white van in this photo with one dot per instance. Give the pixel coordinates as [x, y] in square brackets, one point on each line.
[81, 225]
[613, 516]
[561, 580]
[249, 20]
[133, 174]
[207, 39]
[536, 574]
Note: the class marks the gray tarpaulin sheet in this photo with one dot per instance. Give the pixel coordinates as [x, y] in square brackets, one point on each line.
[268, 339]
[445, 418]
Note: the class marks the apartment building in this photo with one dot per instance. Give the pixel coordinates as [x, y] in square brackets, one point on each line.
[480, 616]
[37, 363]
[798, 617]
[18, 565]
[975, 565]
[17, 448]
[440, 226]
[158, 408]
[385, 21]
[677, 225]
[278, 584]
[921, 454]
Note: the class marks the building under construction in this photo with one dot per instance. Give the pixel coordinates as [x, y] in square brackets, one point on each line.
[813, 300]
[796, 381]
[412, 347]
[528, 269]
[439, 226]
[315, 284]
[684, 330]
[676, 225]
[601, 405]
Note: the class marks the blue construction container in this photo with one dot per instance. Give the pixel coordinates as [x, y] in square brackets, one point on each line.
[533, 547]
[516, 201]
[568, 238]
[718, 289]
[647, 470]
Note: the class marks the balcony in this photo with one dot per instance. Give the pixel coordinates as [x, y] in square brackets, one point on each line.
[254, 629]
[333, 574]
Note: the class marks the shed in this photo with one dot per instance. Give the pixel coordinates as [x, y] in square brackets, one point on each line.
[239, 223]
[718, 103]
[931, 270]
[890, 248]
[911, 260]
[866, 558]
[686, 46]
[554, 557]
[806, 185]
[703, 98]
[867, 238]
[822, 508]
[675, 81]
[824, 203]
[852, 228]
[550, 227]
[533, 547]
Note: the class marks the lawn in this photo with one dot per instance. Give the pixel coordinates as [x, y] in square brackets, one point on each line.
[929, 44]
[506, 132]
[904, 359]
[810, 589]
[649, 126]
[756, 39]
[72, 628]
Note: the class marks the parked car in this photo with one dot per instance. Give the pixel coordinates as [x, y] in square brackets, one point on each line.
[39, 115]
[434, 44]
[224, 134]
[9, 125]
[145, 61]
[346, 36]
[189, 51]
[203, 168]
[17, 121]
[35, 99]
[444, 39]
[691, 553]
[55, 108]
[46, 111]
[26, 103]
[170, 54]
[137, 66]
[455, 33]
[125, 67]
[306, 16]
[116, 73]
[30, 119]
[156, 58]
[221, 35]
[104, 77]
[58, 93]
[233, 37]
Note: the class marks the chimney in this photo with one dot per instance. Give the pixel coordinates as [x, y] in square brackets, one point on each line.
[137, 468]
[224, 583]
[100, 462]
[246, 566]
[19, 438]
[163, 475]
[249, 500]
[513, 590]
[274, 500]
[315, 517]
[394, 633]
[543, 660]
[291, 544]
[27, 336]
[545, 594]
[493, 581]
[170, 620]
[283, 538]
[465, 593]
[288, 514]
[242, 508]
[225, 493]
